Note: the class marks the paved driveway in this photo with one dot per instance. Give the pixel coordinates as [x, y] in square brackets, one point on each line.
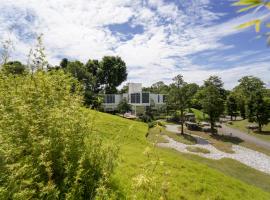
[244, 136]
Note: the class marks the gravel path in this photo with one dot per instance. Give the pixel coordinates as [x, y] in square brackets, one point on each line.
[244, 155]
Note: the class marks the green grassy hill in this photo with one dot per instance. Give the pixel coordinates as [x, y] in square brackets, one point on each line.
[144, 172]
[200, 116]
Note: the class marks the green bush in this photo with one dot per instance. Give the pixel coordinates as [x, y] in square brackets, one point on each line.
[47, 147]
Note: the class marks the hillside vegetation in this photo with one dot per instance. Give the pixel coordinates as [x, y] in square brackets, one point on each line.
[145, 172]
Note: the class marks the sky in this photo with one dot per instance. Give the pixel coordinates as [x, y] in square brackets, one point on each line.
[158, 39]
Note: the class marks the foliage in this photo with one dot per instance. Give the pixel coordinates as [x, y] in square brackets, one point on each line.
[231, 105]
[37, 57]
[180, 96]
[48, 148]
[252, 90]
[124, 106]
[5, 53]
[113, 72]
[212, 103]
[257, 5]
[14, 67]
[258, 109]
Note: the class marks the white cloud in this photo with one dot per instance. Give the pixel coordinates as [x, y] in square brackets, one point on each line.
[79, 29]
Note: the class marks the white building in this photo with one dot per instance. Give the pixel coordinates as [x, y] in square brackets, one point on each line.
[138, 99]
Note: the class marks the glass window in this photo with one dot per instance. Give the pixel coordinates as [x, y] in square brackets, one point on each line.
[135, 98]
[164, 98]
[110, 98]
[145, 97]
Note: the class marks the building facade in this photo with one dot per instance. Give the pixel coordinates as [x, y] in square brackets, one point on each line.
[138, 99]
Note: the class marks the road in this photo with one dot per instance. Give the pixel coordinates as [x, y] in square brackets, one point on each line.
[244, 136]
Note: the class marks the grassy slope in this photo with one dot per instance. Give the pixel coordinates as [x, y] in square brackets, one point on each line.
[241, 125]
[199, 114]
[187, 179]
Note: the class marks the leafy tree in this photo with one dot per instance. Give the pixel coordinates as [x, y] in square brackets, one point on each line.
[113, 72]
[14, 67]
[5, 53]
[212, 103]
[159, 87]
[48, 149]
[179, 95]
[64, 63]
[124, 106]
[256, 5]
[258, 109]
[39, 57]
[218, 83]
[231, 105]
[250, 84]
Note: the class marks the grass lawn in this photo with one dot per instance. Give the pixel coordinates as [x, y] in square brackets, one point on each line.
[200, 116]
[241, 125]
[197, 149]
[177, 176]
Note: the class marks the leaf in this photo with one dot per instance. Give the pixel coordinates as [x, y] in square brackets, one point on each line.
[267, 5]
[256, 23]
[248, 8]
[247, 2]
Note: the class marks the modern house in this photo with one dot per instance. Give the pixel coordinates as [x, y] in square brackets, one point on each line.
[138, 99]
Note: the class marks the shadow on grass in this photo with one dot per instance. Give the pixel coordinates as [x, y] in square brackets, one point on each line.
[189, 138]
[262, 132]
[227, 138]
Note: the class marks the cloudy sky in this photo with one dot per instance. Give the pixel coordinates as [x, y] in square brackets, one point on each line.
[157, 39]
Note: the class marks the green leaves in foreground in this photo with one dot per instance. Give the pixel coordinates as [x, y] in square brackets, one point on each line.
[254, 4]
[47, 147]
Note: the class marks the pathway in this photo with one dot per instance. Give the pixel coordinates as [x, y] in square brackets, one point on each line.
[244, 155]
[244, 136]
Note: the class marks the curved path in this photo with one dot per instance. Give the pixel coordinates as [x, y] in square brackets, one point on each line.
[244, 136]
[244, 155]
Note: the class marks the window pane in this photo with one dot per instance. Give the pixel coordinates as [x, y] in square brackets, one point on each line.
[145, 97]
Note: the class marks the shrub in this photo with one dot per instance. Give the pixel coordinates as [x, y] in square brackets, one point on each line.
[47, 147]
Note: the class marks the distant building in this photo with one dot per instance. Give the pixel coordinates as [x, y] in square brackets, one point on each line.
[138, 99]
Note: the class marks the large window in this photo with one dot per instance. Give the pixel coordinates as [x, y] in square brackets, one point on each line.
[145, 97]
[135, 98]
[164, 98]
[110, 98]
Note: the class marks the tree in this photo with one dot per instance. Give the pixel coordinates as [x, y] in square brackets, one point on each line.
[159, 87]
[250, 84]
[7, 47]
[231, 105]
[113, 72]
[253, 91]
[64, 63]
[14, 67]
[255, 4]
[39, 57]
[36, 57]
[258, 109]
[124, 106]
[212, 103]
[180, 97]
[218, 83]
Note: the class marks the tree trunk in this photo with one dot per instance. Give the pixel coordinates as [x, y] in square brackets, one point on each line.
[212, 123]
[260, 127]
[231, 117]
[182, 122]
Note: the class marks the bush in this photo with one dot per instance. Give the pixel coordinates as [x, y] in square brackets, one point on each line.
[47, 147]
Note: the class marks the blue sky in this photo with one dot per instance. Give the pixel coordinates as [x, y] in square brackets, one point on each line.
[158, 39]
